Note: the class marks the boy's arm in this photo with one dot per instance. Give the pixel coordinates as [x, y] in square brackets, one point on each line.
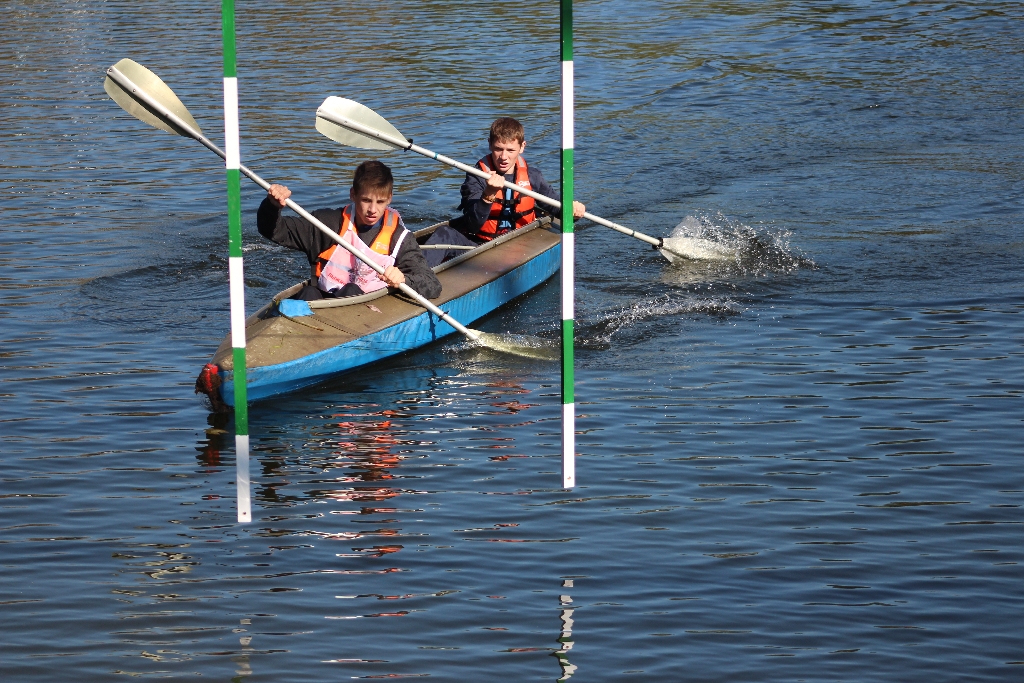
[414, 267]
[295, 232]
[475, 210]
[543, 187]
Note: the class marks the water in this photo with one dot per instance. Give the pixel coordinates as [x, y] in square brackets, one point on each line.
[796, 463]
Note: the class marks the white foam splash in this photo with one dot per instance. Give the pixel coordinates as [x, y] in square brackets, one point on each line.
[692, 240]
[639, 313]
[715, 238]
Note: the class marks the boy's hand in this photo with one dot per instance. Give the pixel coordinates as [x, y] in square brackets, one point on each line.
[393, 276]
[494, 186]
[279, 193]
[578, 210]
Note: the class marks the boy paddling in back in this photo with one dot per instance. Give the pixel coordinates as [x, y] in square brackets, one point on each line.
[368, 223]
[489, 208]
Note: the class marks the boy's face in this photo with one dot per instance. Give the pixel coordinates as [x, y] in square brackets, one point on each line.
[369, 205]
[505, 154]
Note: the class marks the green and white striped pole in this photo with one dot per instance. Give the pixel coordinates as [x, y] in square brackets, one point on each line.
[568, 257]
[232, 162]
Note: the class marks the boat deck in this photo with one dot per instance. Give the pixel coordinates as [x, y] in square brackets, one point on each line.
[273, 339]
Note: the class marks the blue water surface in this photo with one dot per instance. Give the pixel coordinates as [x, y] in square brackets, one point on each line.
[794, 464]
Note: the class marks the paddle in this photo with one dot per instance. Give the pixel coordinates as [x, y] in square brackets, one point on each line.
[142, 94]
[356, 125]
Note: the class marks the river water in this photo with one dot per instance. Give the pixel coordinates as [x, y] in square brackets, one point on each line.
[795, 464]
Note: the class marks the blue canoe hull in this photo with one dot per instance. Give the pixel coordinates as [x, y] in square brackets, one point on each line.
[270, 380]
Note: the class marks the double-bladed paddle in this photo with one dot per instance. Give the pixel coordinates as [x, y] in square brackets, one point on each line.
[142, 94]
[355, 125]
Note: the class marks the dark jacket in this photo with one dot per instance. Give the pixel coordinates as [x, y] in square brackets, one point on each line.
[296, 232]
[476, 212]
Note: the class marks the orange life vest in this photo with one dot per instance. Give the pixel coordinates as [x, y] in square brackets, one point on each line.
[336, 266]
[521, 206]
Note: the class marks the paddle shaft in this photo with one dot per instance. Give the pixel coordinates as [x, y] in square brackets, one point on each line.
[187, 130]
[408, 145]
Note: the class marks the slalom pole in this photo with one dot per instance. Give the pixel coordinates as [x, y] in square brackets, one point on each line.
[232, 162]
[568, 255]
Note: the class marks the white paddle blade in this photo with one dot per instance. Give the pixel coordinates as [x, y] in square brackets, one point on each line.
[150, 83]
[519, 345]
[697, 249]
[342, 113]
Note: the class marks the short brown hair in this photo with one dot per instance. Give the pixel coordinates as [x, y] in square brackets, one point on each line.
[506, 129]
[373, 176]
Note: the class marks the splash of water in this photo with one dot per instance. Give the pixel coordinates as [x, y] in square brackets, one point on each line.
[738, 249]
[637, 314]
[690, 240]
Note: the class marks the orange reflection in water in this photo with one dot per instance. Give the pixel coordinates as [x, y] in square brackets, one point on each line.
[366, 448]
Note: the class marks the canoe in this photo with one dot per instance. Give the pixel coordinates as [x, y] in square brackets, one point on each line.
[286, 351]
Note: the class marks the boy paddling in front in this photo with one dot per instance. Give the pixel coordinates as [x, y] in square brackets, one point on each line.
[368, 223]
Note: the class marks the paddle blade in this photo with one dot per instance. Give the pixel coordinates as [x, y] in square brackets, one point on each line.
[519, 345]
[148, 82]
[696, 248]
[335, 119]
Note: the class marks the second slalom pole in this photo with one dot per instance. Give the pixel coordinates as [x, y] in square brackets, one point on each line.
[568, 255]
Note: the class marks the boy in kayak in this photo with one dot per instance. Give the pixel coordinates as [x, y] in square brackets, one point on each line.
[488, 208]
[368, 223]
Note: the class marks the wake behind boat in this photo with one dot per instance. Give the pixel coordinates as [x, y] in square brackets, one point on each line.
[294, 344]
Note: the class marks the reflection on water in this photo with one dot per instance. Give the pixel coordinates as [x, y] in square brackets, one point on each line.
[242, 660]
[565, 639]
